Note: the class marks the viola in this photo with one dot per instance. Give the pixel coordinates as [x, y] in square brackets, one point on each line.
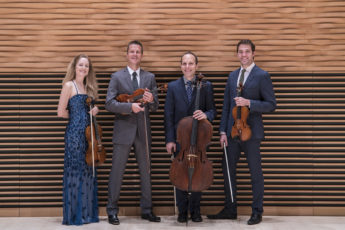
[95, 154]
[191, 171]
[240, 129]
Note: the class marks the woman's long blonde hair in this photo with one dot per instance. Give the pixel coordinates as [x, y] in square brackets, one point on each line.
[90, 80]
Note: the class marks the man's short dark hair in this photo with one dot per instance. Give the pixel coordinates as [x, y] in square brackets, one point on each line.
[190, 52]
[246, 42]
[135, 42]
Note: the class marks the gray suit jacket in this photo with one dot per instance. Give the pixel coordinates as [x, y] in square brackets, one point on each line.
[126, 123]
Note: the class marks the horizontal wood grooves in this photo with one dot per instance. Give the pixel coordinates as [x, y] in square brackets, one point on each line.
[303, 155]
[291, 36]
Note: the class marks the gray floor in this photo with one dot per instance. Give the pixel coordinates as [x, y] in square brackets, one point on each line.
[169, 222]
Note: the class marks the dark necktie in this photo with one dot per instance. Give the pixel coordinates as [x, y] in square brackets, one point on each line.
[189, 91]
[242, 77]
[135, 81]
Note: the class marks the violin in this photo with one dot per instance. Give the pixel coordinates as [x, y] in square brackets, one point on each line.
[137, 95]
[134, 97]
[191, 171]
[240, 130]
[95, 154]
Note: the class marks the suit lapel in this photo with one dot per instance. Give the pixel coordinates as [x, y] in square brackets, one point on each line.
[182, 89]
[126, 77]
[142, 79]
[250, 77]
[234, 80]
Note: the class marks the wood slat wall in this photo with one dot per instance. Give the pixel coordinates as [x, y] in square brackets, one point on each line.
[291, 36]
[303, 155]
[301, 42]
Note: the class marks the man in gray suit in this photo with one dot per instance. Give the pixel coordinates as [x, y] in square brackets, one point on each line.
[131, 128]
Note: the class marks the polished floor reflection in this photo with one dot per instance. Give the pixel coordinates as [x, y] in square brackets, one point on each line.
[169, 222]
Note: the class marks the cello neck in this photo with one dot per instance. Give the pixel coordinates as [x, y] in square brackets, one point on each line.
[196, 107]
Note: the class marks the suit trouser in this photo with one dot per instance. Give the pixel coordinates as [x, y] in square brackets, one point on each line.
[183, 204]
[119, 160]
[251, 149]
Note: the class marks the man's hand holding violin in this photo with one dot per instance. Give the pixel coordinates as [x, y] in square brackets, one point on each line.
[147, 98]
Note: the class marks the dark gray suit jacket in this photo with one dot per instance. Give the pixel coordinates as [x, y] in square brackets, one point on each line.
[126, 122]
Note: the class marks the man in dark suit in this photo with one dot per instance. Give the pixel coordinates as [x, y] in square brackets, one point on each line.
[179, 103]
[258, 96]
[131, 128]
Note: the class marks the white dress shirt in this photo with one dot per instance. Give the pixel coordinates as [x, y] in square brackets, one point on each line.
[246, 74]
[131, 73]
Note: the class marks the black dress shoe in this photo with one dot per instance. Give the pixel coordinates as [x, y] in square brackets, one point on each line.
[112, 219]
[151, 217]
[182, 217]
[255, 219]
[224, 214]
[196, 217]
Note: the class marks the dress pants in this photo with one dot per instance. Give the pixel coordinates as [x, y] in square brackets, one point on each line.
[119, 160]
[251, 149]
[183, 204]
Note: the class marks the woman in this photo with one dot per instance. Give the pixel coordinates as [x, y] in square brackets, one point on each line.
[80, 203]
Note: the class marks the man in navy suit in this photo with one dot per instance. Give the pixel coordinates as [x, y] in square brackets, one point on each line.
[258, 96]
[179, 103]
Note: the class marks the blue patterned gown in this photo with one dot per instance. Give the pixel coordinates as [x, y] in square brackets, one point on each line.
[80, 203]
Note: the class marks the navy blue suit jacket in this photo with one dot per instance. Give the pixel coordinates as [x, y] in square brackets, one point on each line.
[259, 89]
[177, 106]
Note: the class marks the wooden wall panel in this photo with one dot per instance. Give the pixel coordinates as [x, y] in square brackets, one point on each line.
[301, 42]
[291, 36]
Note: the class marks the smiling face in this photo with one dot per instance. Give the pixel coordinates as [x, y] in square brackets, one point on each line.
[82, 68]
[188, 66]
[245, 55]
[134, 55]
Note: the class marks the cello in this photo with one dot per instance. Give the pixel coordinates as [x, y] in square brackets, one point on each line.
[191, 171]
[95, 154]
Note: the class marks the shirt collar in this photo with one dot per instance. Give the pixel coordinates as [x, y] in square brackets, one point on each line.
[185, 80]
[249, 68]
[131, 71]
